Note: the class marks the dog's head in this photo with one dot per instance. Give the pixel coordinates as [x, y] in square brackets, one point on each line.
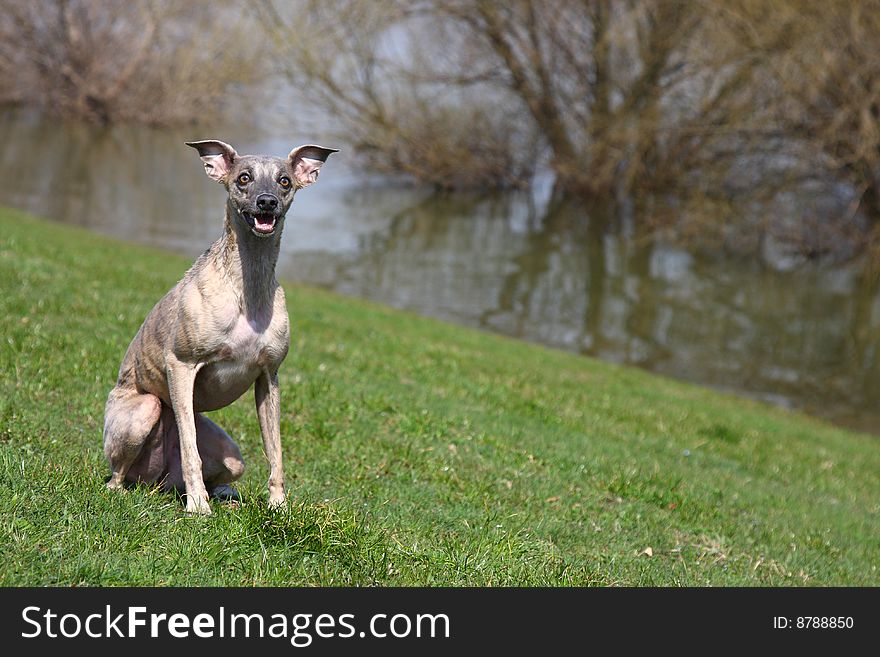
[261, 187]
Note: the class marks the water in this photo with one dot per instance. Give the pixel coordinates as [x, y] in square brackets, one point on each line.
[582, 280]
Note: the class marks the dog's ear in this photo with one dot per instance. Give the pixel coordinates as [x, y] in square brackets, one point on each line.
[306, 161]
[217, 156]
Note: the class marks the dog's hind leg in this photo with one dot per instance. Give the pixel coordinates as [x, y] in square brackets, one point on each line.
[222, 462]
[131, 426]
[221, 458]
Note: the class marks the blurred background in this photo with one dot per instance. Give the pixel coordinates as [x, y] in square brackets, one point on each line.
[691, 187]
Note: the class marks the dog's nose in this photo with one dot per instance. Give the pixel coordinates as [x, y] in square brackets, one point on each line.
[267, 202]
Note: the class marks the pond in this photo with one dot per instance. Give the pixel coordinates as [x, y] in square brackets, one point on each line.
[802, 336]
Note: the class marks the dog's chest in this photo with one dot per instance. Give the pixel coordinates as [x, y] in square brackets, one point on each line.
[250, 343]
[246, 348]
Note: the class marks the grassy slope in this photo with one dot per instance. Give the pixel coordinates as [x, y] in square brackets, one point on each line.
[418, 452]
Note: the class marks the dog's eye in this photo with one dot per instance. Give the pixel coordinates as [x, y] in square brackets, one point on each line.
[244, 178]
[284, 181]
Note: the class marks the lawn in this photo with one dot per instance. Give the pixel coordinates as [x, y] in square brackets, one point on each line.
[416, 452]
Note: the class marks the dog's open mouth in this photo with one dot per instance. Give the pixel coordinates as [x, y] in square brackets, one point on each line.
[261, 223]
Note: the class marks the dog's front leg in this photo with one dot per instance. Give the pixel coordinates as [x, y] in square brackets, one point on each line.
[181, 381]
[268, 401]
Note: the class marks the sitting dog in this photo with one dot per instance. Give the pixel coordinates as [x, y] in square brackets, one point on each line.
[222, 328]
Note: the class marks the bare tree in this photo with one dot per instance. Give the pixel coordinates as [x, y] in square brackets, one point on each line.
[154, 61]
[481, 93]
[364, 64]
[826, 83]
[795, 109]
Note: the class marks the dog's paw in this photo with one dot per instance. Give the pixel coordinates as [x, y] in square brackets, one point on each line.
[116, 482]
[226, 495]
[277, 502]
[197, 505]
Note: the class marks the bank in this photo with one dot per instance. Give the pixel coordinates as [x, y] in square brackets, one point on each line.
[417, 453]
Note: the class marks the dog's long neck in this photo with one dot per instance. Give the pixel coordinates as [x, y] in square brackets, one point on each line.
[248, 261]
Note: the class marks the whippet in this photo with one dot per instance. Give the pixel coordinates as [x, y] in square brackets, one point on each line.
[223, 327]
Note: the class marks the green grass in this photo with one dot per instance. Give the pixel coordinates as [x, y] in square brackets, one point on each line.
[417, 453]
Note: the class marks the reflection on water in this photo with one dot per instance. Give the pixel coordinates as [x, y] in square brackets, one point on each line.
[548, 272]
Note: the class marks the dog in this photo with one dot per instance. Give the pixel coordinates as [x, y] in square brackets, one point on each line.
[221, 329]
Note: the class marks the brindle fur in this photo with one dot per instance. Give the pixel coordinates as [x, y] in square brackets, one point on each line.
[221, 329]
